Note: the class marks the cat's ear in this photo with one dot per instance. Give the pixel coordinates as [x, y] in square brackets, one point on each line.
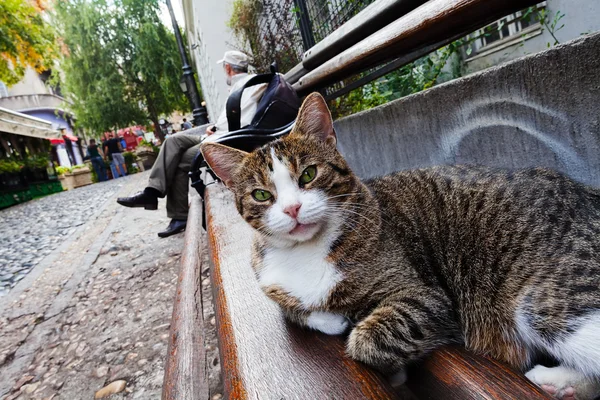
[314, 119]
[222, 160]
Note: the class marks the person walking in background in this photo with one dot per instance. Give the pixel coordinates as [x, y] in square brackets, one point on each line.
[95, 156]
[112, 149]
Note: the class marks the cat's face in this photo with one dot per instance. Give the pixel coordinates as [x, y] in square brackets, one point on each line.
[291, 189]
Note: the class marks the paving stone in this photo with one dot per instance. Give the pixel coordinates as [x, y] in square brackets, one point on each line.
[114, 326]
[38, 226]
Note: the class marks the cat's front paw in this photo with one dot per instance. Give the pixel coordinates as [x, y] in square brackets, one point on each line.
[331, 324]
[564, 383]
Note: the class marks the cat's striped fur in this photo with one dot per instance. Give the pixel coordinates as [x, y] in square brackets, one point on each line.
[505, 262]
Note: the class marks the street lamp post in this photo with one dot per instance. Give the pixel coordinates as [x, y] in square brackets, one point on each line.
[198, 111]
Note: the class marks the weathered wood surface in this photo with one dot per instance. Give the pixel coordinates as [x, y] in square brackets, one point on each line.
[262, 356]
[458, 374]
[433, 22]
[294, 74]
[185, 371]
[368, 21]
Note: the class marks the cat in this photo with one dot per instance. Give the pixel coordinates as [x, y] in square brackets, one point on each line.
[506, 263]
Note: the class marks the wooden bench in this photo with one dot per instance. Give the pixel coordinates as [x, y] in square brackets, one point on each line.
[263, 356]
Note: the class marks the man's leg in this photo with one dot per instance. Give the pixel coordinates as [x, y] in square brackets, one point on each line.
[115, 164]
[168, 160]
[120, 163]
[163, 174]
[177, 195]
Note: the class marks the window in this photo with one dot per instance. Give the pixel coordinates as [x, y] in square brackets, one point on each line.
[3, 90]
[510, 27]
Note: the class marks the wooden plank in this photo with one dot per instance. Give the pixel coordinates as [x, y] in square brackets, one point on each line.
[294, 74]
[459, 374]
[185, 371]
[368, 21]
[397, 63]
[431, 23]
[263, 356]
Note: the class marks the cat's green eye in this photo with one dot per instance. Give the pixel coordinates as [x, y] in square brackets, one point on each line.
[308, 174]
[261, 195]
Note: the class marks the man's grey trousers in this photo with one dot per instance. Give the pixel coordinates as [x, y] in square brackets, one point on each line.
[169, 174]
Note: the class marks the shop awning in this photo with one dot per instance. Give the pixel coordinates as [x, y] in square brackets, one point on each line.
[22, 124]
[71, 137]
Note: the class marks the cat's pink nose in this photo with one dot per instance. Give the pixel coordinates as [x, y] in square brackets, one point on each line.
[292, 210]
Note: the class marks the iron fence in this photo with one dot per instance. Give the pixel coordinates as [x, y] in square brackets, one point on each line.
[285, 29]
[328, 15]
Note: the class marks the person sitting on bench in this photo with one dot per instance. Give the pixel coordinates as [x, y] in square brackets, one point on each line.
[169, 175]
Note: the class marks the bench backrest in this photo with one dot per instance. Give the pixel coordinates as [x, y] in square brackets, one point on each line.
[540, 110]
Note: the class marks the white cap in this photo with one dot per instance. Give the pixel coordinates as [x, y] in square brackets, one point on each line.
[236, 58]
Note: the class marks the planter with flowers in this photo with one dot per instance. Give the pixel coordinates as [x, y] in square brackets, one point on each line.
[74, 177]
[146, 153]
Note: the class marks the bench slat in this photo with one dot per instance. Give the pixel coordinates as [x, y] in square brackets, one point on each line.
[460, 374]
[185, 370]
[368, 21]
[262, 355]
[437, 21]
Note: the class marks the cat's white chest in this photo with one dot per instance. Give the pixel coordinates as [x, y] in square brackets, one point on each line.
[301, 271]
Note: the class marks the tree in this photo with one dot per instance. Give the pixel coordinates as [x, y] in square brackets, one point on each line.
[26, 40]
[123, 65]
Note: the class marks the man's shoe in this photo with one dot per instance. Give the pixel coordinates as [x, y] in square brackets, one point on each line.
[175, 226]
[140, 199]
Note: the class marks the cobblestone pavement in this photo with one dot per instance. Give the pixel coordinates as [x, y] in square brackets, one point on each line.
[92, 318]
[30, 231]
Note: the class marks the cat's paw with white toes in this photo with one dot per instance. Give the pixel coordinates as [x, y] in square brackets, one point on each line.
[564, 383]
[329, 323]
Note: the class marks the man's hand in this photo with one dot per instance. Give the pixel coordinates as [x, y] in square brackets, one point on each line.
[210, 130]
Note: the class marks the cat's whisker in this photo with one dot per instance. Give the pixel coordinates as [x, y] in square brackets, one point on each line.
[353, 224]
[384, 216]
[343, 195]
[355, 212]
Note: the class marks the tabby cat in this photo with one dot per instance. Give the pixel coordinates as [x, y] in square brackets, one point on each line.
[506, 263]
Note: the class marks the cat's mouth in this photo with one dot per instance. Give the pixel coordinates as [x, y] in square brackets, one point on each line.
[300, 229]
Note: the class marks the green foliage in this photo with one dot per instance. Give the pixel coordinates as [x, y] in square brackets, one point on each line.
[129, 157]
[419, 75]
[551, 23]
[26, 40]
[123, 66]
[129, 160]
[9, 166]
[94, 176]
[60, 170]
[145, 143]
[266, 42]
[37, 161]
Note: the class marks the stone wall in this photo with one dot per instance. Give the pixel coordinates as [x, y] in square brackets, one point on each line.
[541, 110]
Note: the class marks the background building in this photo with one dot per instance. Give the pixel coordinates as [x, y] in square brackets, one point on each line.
[208, 38]
[518, 34]
[34, 96]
